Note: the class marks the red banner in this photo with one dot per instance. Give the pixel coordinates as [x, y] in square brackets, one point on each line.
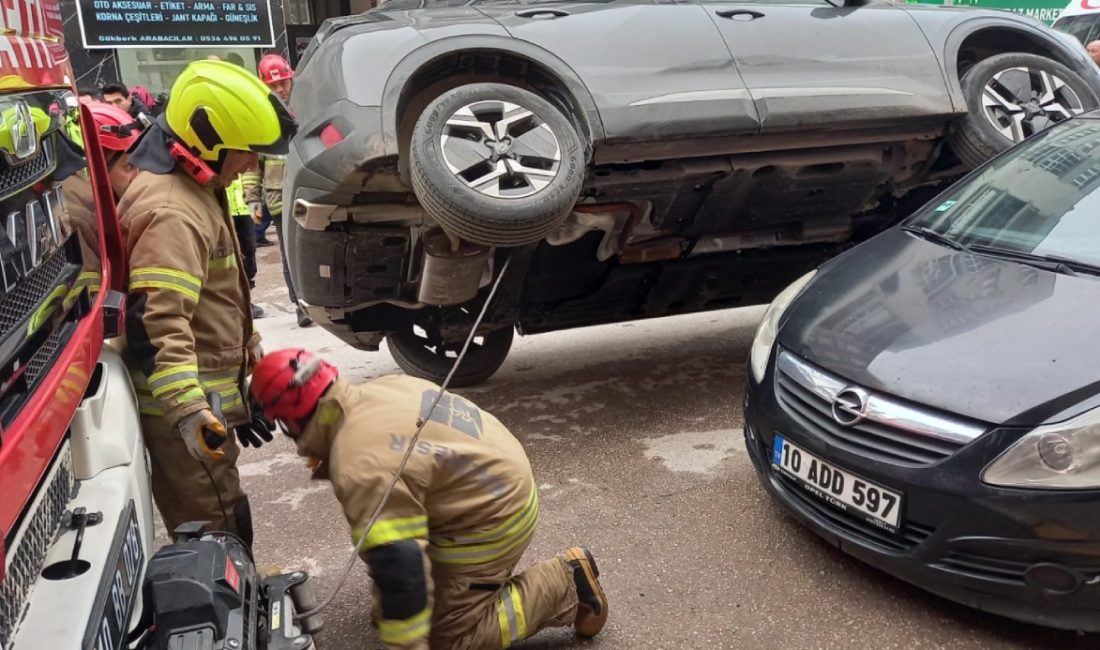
[32, 53]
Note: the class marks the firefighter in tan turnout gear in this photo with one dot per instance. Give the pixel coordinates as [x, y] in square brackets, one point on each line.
[443, 552]
[190, 340]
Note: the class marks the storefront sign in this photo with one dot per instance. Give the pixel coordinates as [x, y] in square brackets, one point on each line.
[175, 23]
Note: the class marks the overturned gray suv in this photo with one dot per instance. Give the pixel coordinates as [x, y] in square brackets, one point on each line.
[633, 159]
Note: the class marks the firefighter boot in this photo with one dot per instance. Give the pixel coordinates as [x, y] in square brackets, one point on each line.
[592, 605]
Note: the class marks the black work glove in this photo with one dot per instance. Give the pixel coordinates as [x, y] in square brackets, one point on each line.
[258, 430]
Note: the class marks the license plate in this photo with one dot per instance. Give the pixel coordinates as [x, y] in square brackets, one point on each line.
[119, 589]
[839, 488]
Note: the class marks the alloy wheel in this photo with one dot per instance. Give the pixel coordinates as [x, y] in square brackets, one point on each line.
[500, 149]
[1020, 101]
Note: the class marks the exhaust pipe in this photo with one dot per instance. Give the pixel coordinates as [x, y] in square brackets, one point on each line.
[452, 270]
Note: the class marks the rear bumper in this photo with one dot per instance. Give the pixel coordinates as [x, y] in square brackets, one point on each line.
[333, 173]
[338, 264]
[1030, 556]
[349, 267]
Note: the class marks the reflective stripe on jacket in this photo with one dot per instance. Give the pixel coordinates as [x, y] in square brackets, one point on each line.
[188, 322]
[466, 497]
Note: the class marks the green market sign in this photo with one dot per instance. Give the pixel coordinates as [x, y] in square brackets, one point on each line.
[1046, 11]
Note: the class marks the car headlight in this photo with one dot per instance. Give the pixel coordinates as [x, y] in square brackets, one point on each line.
[1063, 456]
[769, 327]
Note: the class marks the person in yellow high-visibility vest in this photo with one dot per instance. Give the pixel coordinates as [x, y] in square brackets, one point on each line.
[242, 224]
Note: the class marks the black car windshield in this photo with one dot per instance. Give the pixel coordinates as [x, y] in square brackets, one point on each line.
[1040, 200]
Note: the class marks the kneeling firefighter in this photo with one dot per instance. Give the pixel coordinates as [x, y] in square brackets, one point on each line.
[460, 517]
[190, 339]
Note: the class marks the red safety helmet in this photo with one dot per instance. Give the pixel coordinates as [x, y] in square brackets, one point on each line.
[274, 68]
[143, 94]
[289, 383]
[116, 129]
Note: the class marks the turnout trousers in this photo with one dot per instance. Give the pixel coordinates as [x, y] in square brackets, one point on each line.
[184, 492]
[488, 607]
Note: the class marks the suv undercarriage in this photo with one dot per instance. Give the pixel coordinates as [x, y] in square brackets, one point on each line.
[649, 239]
[631, 159]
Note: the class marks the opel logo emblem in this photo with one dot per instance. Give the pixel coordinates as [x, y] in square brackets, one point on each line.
[849, 407]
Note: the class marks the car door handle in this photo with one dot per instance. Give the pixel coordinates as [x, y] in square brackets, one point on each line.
[542, 14]
[739, 14]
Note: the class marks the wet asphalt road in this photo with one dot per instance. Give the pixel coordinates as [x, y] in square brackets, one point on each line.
[634, 433]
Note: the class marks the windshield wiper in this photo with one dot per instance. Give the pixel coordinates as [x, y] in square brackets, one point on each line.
[1046, 262]
[935, 236]
[1076, 265]
[1053, 263]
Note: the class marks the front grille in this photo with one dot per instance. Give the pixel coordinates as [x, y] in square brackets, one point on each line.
[31, 543]
[33, 290]
[986, 568]
[44, 357]
[911, 535]
[813, 411]
[16, 178]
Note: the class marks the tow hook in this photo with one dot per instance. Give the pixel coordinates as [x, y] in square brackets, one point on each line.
[79, 520]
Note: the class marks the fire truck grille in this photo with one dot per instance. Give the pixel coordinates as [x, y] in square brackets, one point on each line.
[29, 552]
[44, 357]
[33, 291]
[16, 178]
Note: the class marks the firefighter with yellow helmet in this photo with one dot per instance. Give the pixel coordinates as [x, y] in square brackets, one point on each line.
[190, 340]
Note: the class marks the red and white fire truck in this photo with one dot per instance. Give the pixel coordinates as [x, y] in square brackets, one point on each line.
[78, 567]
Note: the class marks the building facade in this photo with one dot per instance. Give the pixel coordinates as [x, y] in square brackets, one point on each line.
[151, 51]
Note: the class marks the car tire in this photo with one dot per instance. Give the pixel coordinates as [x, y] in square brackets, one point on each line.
[418, 356]
[492, 190]
[996, 116]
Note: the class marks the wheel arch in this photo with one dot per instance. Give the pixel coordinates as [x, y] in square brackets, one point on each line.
[447, 63]
[981, 38]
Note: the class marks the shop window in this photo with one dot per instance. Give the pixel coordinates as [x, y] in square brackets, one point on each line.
[298, 12]
[157, 68]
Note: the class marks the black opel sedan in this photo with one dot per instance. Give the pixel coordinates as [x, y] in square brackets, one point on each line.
[929, 401]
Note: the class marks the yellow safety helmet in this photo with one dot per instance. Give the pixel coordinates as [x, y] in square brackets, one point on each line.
[215, 105]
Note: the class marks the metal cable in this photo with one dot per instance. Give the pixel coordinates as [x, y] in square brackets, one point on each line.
[424, 419]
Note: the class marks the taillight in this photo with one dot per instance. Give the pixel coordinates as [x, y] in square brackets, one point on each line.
[331, 136]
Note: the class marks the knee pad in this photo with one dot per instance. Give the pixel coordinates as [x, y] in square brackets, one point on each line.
[398, 571]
